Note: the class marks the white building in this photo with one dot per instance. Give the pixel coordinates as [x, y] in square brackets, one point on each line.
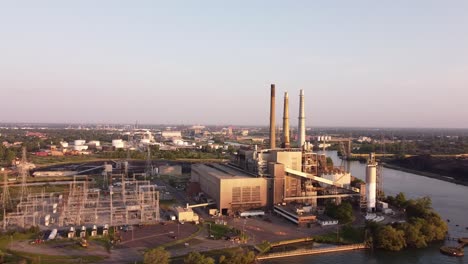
[171, 134]
[326, 221]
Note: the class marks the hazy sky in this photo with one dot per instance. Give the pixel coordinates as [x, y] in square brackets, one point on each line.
[361, 63]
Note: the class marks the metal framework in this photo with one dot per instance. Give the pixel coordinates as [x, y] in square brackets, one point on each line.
[133, 202]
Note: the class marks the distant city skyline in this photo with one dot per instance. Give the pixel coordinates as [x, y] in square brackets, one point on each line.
[360, 63]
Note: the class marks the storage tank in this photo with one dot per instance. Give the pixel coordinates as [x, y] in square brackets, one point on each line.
[117, 143]
[80, 147]
[79, 142]
[371, 186]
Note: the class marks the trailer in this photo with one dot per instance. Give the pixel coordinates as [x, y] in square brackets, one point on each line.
[252, 213]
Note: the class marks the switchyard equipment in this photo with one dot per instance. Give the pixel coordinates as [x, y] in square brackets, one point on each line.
[133, 202]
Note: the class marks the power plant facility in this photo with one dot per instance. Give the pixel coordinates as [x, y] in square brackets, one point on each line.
[282, 175]
[292, 181]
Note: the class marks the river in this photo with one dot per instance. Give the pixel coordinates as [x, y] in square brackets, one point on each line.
[448, 199]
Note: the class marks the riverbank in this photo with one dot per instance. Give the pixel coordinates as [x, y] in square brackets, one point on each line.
[426, 174]
[314, 251]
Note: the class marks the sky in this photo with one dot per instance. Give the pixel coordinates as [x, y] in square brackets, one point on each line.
[361, 63]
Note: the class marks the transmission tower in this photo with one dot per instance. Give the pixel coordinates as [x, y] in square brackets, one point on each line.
[6, 200]
[148, 169]
[23, 173]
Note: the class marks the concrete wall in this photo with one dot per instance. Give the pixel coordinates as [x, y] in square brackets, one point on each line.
[242, 194]
[291, 159]
[232, 193]
[278, 174]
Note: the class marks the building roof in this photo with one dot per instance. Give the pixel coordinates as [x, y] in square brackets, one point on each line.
[222, 171]
[183, 209]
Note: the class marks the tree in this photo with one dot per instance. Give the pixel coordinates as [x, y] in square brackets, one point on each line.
[413, 236]
[156, 256]
[420, 208]
[343, 212]
[197, 258]
[390, 238]
[400, 200]
[247, 258]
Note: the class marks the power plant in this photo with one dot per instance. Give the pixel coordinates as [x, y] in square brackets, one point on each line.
[291, 181]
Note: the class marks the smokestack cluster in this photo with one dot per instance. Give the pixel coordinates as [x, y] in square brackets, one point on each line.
[286, 143]
[272, 118]
[301, 126]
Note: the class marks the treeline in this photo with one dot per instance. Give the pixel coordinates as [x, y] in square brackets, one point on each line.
[156, 153]
[422, 226]
[7, 155]
[419, 147]
[161, 256]
[452, 167]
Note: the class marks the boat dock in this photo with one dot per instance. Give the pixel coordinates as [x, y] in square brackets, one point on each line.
[455, 251]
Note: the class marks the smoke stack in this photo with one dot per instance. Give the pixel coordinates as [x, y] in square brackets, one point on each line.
[301, 126]
[286, 143]
[272, 118]
[371, 183]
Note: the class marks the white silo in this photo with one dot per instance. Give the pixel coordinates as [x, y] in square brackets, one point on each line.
[117, 143]
[371, 183]
[79, 142]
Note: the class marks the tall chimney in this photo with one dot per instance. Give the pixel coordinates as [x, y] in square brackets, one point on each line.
[302, 129]
[272, 118]
[286, 143]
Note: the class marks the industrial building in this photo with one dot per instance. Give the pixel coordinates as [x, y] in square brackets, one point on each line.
[232, 189]
[284, 180]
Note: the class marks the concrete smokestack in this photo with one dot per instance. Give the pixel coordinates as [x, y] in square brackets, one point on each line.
[371, 183]
[286, 142]
[301, 126]
[272, 118]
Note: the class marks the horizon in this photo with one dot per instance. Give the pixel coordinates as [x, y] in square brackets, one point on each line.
[364, 64]
[231, 125]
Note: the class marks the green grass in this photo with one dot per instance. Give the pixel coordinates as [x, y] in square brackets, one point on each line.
[219, 231]
[184, 240]
[5, 240]
[49, 259]
[347, 235]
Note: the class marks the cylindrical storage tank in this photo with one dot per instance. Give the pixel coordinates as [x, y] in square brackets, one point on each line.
[117, 143]
[79, 142]
[80, 147]
[371, 187]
